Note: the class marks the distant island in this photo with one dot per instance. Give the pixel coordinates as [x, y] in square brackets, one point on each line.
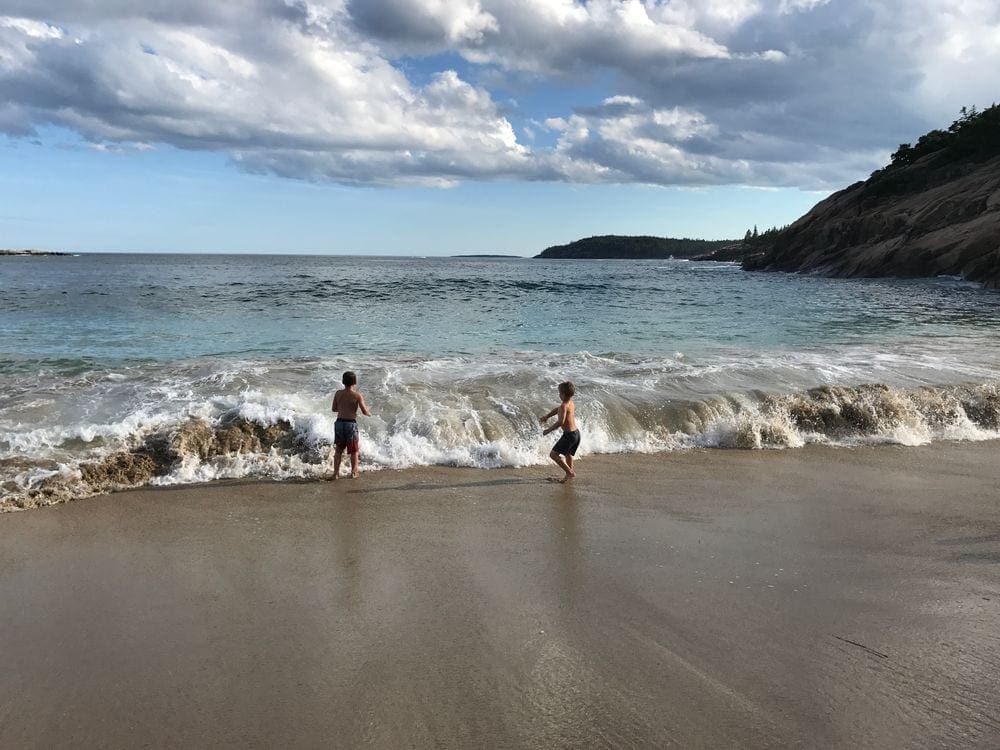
[31, 252]
[933, 211]
[612, 246]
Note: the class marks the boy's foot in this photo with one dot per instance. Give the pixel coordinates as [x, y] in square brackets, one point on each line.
[355, 474]
[562, 479]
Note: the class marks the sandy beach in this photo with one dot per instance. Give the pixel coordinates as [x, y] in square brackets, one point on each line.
[805, 598]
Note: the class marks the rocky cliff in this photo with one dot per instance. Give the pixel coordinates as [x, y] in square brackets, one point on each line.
[935, 211]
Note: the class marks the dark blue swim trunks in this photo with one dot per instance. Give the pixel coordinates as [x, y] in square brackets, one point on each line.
[568, 443]
[345, 435]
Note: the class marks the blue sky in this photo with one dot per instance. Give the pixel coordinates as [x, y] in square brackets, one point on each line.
[450, 126]
[64, 195]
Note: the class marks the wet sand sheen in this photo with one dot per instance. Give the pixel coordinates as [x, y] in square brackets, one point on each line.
[815, 597]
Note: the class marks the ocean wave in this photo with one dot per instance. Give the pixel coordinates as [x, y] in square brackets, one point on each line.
[259, 432]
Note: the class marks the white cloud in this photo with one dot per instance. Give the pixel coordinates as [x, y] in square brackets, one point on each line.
[621, 99]
[962, 57]
[762, 92]
[30, 28]
[327, 104]
[442, 23]
[716, 17]
[626, 140]
[794, 6]
[542, 36]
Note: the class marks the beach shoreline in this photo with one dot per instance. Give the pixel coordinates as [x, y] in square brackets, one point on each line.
[836, 597]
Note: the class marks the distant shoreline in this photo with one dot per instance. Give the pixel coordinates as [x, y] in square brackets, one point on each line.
[487, 255]
[31, 252]
[642, 247]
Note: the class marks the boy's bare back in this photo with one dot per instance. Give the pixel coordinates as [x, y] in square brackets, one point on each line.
[347, 402]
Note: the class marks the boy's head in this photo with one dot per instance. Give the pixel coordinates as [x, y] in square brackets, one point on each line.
[349, 379]
[567, 390]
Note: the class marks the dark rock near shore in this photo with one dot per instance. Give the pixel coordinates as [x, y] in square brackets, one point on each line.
[162, 451]
[731, 252]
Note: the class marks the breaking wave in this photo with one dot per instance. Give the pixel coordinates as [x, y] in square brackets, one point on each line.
[119, 430]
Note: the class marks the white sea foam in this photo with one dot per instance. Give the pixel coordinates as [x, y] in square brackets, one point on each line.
[482, 412]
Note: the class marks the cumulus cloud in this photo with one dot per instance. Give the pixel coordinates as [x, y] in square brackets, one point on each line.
[761, 92]
[301, 99]
[425, 24]
[626, 139]
[543, 36]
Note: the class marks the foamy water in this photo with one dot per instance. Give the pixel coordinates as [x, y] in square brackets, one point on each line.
[118, 371]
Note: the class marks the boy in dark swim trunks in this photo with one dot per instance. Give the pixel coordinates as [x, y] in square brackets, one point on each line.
[565, 448]
[347, 402]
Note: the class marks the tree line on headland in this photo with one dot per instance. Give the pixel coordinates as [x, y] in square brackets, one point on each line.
[612, 246]
[972, 133]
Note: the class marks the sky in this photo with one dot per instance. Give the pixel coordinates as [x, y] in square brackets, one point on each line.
[458, 126]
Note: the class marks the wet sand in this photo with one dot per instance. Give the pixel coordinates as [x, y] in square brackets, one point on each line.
[804, 598]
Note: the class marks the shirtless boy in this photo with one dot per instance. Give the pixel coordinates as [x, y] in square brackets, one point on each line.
[347, 402]
[565, 448]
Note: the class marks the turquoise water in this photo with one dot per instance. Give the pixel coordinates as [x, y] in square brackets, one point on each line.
[99, 310]
[98, 352]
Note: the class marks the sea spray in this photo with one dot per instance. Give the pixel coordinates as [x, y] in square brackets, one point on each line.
[285, 436]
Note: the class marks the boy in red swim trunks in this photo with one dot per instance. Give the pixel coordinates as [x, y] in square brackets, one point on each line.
[565, 448]
[347, 402]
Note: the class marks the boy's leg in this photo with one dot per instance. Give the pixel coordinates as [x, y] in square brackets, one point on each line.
[561, 463]
[338, 453]
[354, 465]
[569, 463]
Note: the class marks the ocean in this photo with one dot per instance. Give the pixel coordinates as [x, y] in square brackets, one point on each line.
[126, 369]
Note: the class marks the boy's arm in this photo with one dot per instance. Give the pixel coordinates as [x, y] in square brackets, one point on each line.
[363, 406]
[547, 417]
[334, 406]
[561, 410]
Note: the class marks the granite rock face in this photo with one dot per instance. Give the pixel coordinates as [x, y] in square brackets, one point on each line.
[935, 217]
